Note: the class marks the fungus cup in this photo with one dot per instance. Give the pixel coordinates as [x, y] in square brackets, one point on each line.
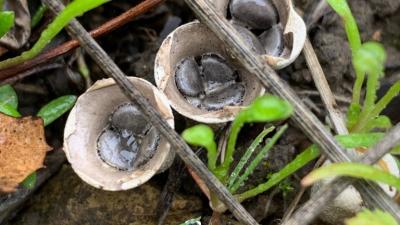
[95, 111]
[271, 17]
[195, 41]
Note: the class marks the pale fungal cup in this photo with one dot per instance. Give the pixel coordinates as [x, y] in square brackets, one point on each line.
[90, 118]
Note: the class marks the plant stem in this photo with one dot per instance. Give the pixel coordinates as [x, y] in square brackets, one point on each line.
[230, 149]
[360, 77]
[258, 159]
[245, 158]
[381, 105]
[370, 97]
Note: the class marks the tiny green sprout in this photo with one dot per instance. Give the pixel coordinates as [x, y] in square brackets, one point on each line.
[357, 170]
[202, 135]
[6, 22]
[376, 217]
[74, 9]
[56, 108]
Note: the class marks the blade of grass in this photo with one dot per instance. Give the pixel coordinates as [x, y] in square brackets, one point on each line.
[356, 170]
[249, 170]
[249, 151]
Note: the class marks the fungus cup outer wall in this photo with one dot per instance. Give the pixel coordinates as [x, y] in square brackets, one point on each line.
[85, 123]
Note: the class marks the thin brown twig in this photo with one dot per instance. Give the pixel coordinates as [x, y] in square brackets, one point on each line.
[68, 46]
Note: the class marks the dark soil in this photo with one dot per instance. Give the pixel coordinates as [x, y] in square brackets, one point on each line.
[66, 200]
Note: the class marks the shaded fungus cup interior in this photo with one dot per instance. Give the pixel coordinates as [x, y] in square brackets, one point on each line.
[287, 31]
[86, 123]
[194, 40]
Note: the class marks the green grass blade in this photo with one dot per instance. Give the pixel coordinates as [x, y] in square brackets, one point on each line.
[246, 156]
[249, 170]
[311, 153]
[56, 108]
[357, 170]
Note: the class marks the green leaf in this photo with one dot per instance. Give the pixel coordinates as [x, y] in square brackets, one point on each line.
[9, 110]
[30, 181]
[367, 217]
[357, 170]
[381, 122]
[56, 108]
[370, 58]
[267, 108]
[6, 22]
[353, 115]
[8, 96]
[203, 135]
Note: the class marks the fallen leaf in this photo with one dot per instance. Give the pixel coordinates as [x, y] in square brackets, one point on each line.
[22, 149]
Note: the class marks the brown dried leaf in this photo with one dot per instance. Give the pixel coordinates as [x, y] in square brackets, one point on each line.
[22, 149]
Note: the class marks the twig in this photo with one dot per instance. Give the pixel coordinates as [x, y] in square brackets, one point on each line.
[338, 98]
[11, 203]
[68, 46]
[154, 117]
[322, 85]
[172, 185]
[32, 71]
[313, 207]
[302, 116]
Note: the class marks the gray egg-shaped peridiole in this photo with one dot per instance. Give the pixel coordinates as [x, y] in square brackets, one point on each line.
[188, 78]
[272, 40]
[128, 116]
[126, 140]
[221, 85]
[256, 14]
